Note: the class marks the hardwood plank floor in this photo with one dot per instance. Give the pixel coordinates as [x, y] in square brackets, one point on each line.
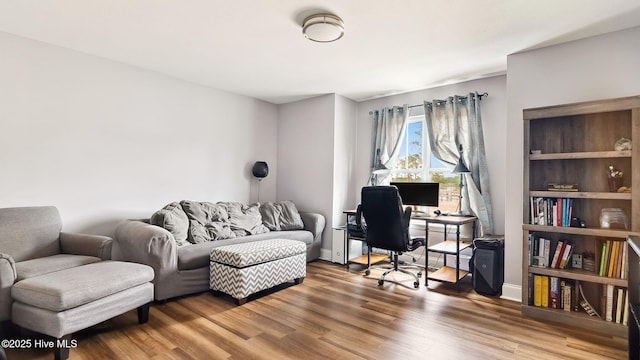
[336, 314]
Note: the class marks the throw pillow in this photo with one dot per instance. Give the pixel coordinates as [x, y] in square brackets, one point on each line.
[173, 219]
[281, 216]
[290, 217]
[207, 221]
[244, 219]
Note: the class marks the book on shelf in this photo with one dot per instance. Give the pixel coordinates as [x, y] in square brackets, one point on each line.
[562, 187]
[554, 293]
[567, 290]
[544, 293]
[609, 302]
[619, 304]
[613, 259]
[545, 253]
[556, 255]
[625, 311]
[567, 250]
[537, 290]
[551, 211]
[625, 264]
[615, 304]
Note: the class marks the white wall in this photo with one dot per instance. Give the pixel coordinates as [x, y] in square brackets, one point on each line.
[104, 141]
[305, 155]
[602, 67]
[494, 124]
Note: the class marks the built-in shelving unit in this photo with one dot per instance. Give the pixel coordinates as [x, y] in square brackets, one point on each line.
[574, 144]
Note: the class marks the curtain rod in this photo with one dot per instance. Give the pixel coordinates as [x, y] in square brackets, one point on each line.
[479, 96]
[418, 105]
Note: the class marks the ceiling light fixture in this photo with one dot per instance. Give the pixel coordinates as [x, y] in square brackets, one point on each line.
[323, 28]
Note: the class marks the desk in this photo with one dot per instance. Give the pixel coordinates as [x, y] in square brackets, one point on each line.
[367, 259]
[447, 247]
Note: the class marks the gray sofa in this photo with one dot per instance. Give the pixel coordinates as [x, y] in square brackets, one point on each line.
[174, 246]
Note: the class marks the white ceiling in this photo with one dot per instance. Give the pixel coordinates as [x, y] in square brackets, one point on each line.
[256, 48]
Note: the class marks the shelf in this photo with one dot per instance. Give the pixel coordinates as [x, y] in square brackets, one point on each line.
[362, 259]
[621, 234]
[582, 195]
[448, 247]
[575, 318]
[581, 155]
[578, 274]
[447, 274]
[575, 145]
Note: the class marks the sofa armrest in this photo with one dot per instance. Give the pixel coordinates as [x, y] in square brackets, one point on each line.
[85, 244]
[7, 278]
[314, 223]
[143, 243]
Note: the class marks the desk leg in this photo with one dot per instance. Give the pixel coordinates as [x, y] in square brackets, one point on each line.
[426, 254]
[346, 249]
[458, 258]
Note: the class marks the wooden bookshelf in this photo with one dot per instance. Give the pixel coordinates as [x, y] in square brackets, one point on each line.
[574, 144]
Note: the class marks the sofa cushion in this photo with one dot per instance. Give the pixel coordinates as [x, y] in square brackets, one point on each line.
[281, 216]
[197, 256]
[66, 289]
[173, 219]
[207, 221]
[244, 219]
[35, 267]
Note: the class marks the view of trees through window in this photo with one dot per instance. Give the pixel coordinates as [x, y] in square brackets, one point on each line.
[417, 164]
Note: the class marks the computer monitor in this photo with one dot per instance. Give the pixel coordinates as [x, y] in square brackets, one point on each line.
[418, 193]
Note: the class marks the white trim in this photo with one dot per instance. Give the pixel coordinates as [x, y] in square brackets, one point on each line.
[512, 292]
[326, 254]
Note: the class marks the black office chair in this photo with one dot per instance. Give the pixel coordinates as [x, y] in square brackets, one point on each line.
[387, 227]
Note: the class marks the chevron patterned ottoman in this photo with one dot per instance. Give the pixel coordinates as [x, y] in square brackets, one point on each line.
[244, 269]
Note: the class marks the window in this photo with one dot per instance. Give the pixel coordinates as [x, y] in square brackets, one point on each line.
[417, 164]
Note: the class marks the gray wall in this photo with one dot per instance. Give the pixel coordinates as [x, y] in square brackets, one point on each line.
[104, 141]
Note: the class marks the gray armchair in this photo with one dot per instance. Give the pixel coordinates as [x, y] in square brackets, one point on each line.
[57, 283]
[32, 244]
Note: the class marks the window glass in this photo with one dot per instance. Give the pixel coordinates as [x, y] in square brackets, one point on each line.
[416, 163]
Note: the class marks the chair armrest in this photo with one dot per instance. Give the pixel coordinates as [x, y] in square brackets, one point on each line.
[86, 244]
[406, 218]
[7, 279]
[314, 223]
[143, 243]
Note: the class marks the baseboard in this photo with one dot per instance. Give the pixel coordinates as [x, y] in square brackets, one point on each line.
[512, 292]
[325, 254]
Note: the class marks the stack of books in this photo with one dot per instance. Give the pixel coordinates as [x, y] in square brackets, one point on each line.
[613, 261]
[547, 253]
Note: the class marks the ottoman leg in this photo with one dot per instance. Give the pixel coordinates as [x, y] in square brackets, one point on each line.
[298, 280]
[241, 301]
[143, 313]
[62, 347]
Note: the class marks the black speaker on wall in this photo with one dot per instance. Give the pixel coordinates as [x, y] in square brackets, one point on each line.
[260, 169]
[488, 266]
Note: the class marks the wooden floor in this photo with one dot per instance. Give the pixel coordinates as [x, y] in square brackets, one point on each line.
[337, 314]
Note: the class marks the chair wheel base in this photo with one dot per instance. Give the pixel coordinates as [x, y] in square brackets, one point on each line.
[367, 272]
[380, 282]
[416, 284]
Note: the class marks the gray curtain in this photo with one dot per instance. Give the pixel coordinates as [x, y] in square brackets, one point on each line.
[454, 121]
[388, 132]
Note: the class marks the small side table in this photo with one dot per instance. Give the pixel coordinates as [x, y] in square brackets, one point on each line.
[448, 247]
